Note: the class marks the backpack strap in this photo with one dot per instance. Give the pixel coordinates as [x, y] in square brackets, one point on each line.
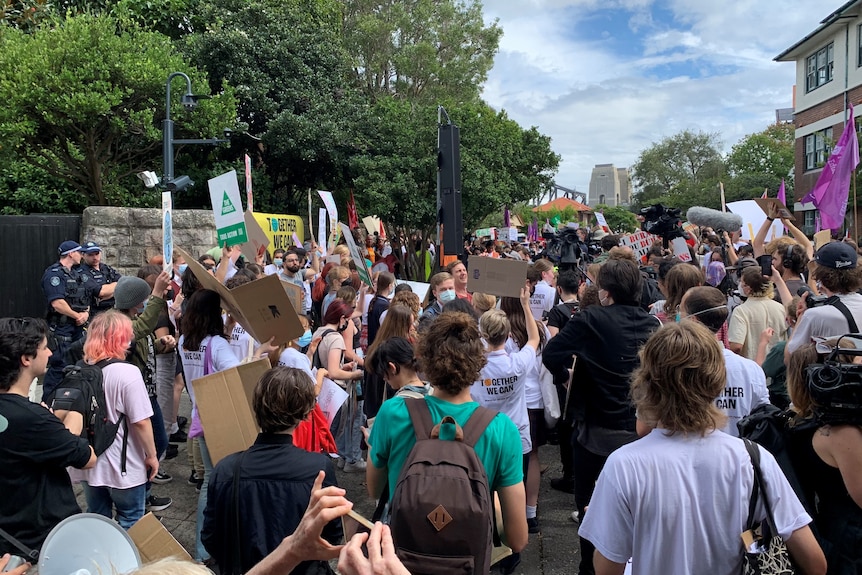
[122, 420]
[420, 416]
[476, 425]
[836, 302]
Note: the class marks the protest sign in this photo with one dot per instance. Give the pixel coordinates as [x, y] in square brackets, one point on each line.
[279, 229]
[639, 242]
[486, 232]
[680, 250]
[322, 230]
[257, 242]
[513, 234]
[752, 218]
[782, 210]
[227, 209]
[372, 224]
[330, 399]
[600, 218]
[500, 277]
[332, 210]
[421, 289]
[356, 256]
[167, 232]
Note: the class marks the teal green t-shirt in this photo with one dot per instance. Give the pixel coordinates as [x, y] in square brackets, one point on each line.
[392, 438]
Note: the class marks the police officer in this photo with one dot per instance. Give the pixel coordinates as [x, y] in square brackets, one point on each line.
[68, 299]
[101, 278]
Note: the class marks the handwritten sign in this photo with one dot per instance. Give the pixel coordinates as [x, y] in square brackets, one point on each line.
[639, 242]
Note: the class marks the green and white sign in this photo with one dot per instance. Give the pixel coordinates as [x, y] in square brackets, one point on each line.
[227, 209]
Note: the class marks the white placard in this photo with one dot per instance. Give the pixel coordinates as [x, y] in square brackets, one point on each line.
[639, 242]
[421, 289]
[329, 202]
[167, 232]
[600, 218]
[227, 209]
[513, 234]
[752, 218]
[680, 250]
[330, 399]
[321, 230]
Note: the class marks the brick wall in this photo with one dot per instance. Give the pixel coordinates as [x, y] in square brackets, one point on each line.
[130, 236]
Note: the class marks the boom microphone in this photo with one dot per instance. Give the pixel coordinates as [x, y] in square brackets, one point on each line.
[709, 218]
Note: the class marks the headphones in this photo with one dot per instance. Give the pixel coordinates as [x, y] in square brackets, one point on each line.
[787, 260]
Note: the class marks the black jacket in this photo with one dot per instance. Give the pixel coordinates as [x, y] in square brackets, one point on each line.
[606, 340]
[274, 489]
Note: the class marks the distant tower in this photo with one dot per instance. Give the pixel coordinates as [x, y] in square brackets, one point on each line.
[604, 186]
[625, 186]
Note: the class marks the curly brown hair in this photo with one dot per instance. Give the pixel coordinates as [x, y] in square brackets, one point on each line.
[839, 281]
[678, 390]
[283, 397]
[408, 299]
[450, 352]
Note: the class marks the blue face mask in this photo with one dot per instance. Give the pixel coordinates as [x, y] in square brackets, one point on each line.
[305, 339]
[446, 296]
[277, 262]
[182, 268]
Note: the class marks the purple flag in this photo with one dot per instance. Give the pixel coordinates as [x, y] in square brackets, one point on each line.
[782, 194]
[830, 192]
[506, 218]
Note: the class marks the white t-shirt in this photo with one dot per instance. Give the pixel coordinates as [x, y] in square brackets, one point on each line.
[501, 387]
[239, 342]
[532, 379]
[125, 393]
[678, 503]
[542, 299]
[294, 358]
[745, 390]
[826, 321]
[222, 358]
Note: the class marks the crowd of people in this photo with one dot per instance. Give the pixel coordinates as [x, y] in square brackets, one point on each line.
[653, 361]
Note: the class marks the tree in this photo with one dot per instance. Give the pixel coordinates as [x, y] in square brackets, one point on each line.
[620, 219]
[285, 59]
[681, 170]
[83, 103]
[761, 160]
[429, 50]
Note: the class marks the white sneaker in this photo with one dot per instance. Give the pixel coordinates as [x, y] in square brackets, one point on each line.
[576, 517]
[358, 466]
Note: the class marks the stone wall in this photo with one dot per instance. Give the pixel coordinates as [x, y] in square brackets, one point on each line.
[130, 236]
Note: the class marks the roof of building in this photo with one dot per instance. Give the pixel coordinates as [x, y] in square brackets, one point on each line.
[562, 204]
[790, 55]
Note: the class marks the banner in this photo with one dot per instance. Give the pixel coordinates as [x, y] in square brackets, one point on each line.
[639, 242]
[279, 229]
[227, 209]
[167, 232]
[248, 195]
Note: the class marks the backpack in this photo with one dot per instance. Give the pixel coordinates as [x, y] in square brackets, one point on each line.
[82, 388]
[315, 359]
[442, 510]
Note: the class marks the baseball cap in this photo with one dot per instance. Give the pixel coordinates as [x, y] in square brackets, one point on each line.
[836, 255]
[68, 247]
[90, 247]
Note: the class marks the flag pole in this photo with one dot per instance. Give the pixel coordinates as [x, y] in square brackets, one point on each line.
[855, 211]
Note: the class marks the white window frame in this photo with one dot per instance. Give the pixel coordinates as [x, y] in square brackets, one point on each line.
[819, 67]
[817, 148]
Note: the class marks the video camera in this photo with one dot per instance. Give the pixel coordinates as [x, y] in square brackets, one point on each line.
[565, 249]
[812, 300]
[836, 386]
[662, 221]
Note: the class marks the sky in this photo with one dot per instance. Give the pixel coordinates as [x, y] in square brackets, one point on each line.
[607, 78]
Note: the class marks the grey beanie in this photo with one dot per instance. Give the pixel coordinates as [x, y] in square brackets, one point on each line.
[131, 292]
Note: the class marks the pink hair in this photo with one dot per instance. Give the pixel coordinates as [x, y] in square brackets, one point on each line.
[108, 337]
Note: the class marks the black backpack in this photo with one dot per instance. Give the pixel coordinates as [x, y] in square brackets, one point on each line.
[315, 359]
[442, 509]
[82, 388]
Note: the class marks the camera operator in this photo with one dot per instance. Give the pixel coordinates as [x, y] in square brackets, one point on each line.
[839, 277]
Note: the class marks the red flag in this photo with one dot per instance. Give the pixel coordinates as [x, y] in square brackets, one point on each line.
[352, 217]
[764, 196]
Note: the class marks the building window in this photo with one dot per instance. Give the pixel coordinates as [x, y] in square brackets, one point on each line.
[819, 67]
[809, 222]
[817, 147]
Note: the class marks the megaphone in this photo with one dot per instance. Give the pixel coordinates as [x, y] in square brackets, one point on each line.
[87, 544]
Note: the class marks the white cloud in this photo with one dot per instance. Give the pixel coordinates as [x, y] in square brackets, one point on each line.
[694, 64]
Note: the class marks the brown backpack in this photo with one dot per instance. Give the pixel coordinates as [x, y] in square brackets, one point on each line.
[442, 510]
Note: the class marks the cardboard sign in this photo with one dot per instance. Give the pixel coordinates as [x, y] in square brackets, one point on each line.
[279, 229]
[154, 542]
[603, 223]
[224, 401]
[783, 212]
[257, 242]
[261, 307]
[356, 256]
[372, 224]
[639, 242]
[822, 238]
[680, 250]
[330, 399]
[500, 277]
[227, 209]
[167, 232]
[752, 218]
[296, 295]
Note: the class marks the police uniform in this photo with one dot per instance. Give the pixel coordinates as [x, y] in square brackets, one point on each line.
[95, 278]
[59, 282]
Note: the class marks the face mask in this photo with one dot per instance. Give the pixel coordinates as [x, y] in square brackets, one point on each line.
[446, 296]
[603, 300]
[305, 339]
[182, 268]
[277, 262]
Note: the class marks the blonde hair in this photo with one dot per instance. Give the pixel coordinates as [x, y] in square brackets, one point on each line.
[494, 326]
[678, 390]
[483, 302]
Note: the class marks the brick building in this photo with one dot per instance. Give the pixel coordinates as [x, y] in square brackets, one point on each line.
[828, 78]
